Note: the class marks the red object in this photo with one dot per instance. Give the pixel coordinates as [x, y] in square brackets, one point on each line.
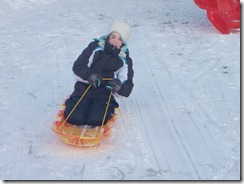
[223, 14]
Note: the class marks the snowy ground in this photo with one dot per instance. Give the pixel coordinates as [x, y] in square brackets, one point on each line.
[182, 121]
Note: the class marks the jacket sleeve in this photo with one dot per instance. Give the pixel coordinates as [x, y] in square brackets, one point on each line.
[81, 67]
[125, 75]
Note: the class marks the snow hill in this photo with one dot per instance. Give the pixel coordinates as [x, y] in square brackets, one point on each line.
[182, 121]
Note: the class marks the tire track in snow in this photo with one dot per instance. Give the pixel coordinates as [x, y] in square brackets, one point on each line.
[213, 143]
[186, 96]
[161, 104]
[148, 138]
[183, 143]
[144, 159]
[180, 138]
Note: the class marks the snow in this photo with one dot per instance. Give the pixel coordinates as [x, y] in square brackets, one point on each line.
[182, 121]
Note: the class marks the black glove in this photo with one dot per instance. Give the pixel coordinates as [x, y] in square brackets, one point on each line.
[113, 85]
[110, 49]
[95, 80]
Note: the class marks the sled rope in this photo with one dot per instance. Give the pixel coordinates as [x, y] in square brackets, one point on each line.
[82, 98]
[75, 105]
[105, 114]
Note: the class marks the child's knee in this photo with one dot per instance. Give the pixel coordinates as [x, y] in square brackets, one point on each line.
[94, 120]
[74, 118]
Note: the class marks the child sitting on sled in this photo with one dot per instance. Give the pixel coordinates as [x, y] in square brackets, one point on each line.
[104, 58]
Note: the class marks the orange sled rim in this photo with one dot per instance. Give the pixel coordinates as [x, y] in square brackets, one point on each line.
[81, 136]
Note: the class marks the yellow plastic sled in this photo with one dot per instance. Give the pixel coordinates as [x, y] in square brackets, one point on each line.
[81, 136]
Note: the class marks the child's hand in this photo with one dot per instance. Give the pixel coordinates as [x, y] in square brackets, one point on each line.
[114, 85]
[110, 49]
[95, 80]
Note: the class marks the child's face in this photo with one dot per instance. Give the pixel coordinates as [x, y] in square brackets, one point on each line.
[115, 40]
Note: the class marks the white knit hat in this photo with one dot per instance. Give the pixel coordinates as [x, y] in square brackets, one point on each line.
[121, 27]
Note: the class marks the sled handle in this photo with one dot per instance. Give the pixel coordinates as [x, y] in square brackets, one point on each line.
[107, 79]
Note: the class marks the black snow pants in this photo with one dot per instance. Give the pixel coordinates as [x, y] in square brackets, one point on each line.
[90, 111]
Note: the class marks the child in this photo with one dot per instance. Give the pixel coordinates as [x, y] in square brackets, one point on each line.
[106, 57]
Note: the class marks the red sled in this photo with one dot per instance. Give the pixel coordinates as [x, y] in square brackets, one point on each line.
[223, 14]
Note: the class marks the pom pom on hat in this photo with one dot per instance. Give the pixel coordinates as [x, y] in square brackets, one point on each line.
[121, 27]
